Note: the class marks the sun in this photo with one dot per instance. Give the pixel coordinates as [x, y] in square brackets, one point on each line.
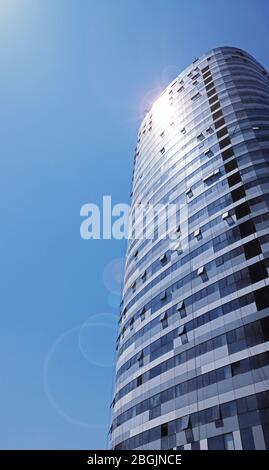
[162, 112]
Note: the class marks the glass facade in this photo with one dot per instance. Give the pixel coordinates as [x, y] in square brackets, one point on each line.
[192, 367]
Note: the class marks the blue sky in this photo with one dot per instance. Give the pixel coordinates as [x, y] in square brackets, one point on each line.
[75, 78]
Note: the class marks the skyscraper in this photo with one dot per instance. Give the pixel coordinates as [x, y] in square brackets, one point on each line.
[193, 348]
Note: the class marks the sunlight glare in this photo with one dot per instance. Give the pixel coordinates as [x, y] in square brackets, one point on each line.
[162, 111]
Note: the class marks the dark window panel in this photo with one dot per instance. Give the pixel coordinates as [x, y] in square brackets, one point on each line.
[217, 115]
[227, 154]
[265, 321]
[208, 80]
[247, 228]
[205, 69]
[216, 443]
[257, 272]
[225, 142]
[252, 249]
[164, 430]
[216, 107]
[219, 123]
[234, 179]
[242, 210]
[214, 100]
[211, 92]
[261, 297]
[222, 133]
[238, 194]
[230, 166]
[210, 86]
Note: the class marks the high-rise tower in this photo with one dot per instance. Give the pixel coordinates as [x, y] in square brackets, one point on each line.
[193, 347]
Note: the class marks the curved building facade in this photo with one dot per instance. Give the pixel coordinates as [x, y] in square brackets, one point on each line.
[192, 366]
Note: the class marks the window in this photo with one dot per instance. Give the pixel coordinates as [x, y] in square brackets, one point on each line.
[155, 412]
[219, 123]
[230, 166]
[183, 131]
[211, 175]
[189, 435]
[222, 442]
[162, 134]
[227, 154]
[197, 232]
[242, 210]
[144, 276]
[132, 323]
[180, 306]
[163, 295]
[208, 153]
[257, 272]
[246, 229]
[196, 96]
[238, 368]
[252, 249]
[207, 75]
[225, 216]
[234, 179]
[200, 137]
[261, 297]
[195, 445]
[189, 192]
[217, 115]
[205, 70]
[184, 423]
[177, 229]
[222, 133]
[164, 320]
[181, 330]
[164, 430]
[162, 150]
[238, 194]
[183, 335]
[216, 106]
[210, 86]
[163, 258]
[265, 428]
[201, 271]
[225, 142]
[208, 80]
[143, 314]
[177, 247]
[181, 309]
[211, 92]
[209, 130]
[213, 101]
[140, 359]
[228, 441]
[139, 380]
[247, 439]
[208, 177]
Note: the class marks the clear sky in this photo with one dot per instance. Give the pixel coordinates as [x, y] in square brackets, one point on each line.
[75, 78]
